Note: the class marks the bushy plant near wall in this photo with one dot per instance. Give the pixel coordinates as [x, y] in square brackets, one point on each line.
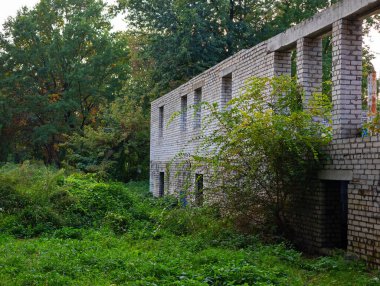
[118, 234]
[35, 200]
[266, 145]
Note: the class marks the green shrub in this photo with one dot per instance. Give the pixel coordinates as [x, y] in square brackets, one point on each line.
[118, 223]
[37, 199]
[185, 221]
[106, 233]
[68, 233]
[11, 200]
[265, 146]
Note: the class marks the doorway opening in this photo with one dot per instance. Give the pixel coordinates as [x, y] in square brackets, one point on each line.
[336, 214]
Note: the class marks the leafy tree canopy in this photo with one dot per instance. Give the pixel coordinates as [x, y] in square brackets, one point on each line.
[116, 147]
[187, 37]
[58, 63]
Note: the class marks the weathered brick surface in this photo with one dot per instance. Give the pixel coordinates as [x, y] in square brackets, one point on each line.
[347, 77]
[247, 63]
[316, 212]
[362, 156]
[309, 65]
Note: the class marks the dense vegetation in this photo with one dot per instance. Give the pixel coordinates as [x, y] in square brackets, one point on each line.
[65, 77]
[265, 150]
[75, 96]
[82, 231]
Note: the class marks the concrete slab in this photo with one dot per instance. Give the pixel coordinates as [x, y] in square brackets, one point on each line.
[321, 23]
[335, 175]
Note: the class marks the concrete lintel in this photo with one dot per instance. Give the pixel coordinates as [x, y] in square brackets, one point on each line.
[185, 91]
[198, 84]
[227, 70]
[335, 175]
[321, 23]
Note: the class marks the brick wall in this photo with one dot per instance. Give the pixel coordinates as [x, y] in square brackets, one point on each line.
[174, 139]
[316, 217]
[362, 157]
[347, 78]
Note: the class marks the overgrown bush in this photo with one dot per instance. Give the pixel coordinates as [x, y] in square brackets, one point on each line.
[36, 199]
[105, 233]
[264, 147]
[116, 147]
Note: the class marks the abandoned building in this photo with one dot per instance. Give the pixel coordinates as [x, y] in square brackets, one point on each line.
[344, 212]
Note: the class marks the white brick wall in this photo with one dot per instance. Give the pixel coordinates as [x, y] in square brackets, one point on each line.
[347, 78]
[359, 155]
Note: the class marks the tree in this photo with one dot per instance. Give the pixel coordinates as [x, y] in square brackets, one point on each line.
[184, 38]
[58, 63]
[5, 118]
[140, 87]
[265, 147]
[117, 147]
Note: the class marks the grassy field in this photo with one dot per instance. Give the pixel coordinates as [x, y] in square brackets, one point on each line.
[75, 230]
[100, 258]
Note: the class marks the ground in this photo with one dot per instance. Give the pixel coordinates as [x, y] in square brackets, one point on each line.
[103, 259]
[77, 230]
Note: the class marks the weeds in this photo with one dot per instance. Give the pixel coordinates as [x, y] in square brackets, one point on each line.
[78, 230]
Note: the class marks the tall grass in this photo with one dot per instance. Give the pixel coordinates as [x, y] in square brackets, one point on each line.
[78, 230]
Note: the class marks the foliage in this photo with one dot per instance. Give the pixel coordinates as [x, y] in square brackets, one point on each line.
[372, 127]
[103, 259]
[195, 35]
[368, 68]
[140, 87]
[116, 147]
[264, 147]
[122, 236]
[37, 200]
[58, 63]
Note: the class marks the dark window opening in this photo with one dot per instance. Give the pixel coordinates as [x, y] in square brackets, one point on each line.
[327, 65]
[184, 113]
[197, 108]
[198, 190]
[293, 66]
[226, 89]
[161, 190]
[161, 122]
[344, 213]
[336, 214]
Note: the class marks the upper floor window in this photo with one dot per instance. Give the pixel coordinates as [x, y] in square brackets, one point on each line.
[197, 108]
[226, 90]
[161, 122]
[184, 113]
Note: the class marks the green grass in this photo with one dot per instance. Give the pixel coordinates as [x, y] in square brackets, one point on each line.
[101, 258]
[105, 233]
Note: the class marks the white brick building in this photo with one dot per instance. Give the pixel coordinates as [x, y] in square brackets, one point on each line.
[344, 209]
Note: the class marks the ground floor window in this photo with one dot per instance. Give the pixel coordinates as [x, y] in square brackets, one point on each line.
[161, 188]
[198, 189]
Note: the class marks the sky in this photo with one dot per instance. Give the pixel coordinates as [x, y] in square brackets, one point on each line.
[373, 41]
[10, 9]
